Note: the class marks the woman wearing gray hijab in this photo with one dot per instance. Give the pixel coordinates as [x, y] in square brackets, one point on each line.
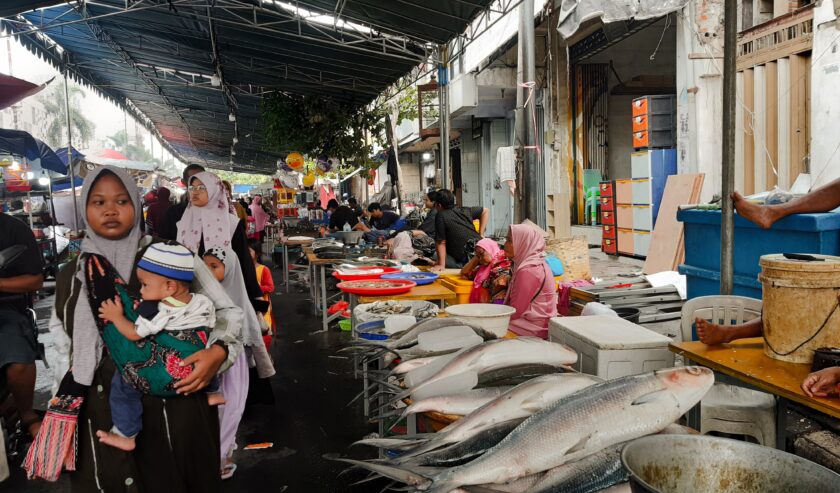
[179, 445]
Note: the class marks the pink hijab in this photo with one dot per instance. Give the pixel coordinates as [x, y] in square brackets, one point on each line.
[531, 291]
[260, 217]
[213, 223]
[490, 246]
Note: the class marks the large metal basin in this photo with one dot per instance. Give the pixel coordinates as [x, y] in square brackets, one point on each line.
[701, 464]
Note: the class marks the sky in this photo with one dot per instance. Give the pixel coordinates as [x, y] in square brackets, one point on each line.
[106, 116]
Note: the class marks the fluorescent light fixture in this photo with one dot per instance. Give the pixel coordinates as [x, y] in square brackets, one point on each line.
[43, 181]
[427, 156]
[29, 175]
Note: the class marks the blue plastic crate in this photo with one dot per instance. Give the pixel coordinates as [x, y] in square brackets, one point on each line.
[801, 233]
[706, 282]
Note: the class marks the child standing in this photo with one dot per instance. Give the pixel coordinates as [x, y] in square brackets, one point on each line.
[165, 273]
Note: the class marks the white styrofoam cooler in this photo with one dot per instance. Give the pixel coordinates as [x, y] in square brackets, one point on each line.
[611, 347]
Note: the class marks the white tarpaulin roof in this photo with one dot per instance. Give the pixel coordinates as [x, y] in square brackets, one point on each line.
[573, 13]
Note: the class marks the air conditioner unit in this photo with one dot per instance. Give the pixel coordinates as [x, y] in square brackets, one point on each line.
[463, 95]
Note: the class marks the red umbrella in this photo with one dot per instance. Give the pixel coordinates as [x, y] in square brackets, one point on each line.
[13, 90]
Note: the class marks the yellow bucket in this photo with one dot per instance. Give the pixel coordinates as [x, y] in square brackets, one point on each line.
[800, 306]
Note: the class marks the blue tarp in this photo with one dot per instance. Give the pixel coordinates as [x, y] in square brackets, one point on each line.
[20, 143]
[62, 154]
[64, 183]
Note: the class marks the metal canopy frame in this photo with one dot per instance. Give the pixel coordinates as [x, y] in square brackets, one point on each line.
[194, 71]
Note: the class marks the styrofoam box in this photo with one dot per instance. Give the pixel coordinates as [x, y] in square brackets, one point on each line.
[611, 347]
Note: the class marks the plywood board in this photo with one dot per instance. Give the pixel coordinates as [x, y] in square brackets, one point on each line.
[666, 246]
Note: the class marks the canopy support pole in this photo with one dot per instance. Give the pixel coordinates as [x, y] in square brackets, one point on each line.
[70, 163]
[526, 93]
[727, 224]
[443, 97]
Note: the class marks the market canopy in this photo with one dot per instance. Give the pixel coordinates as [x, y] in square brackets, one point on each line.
[13, 90]
[20, 143]
[198, 69]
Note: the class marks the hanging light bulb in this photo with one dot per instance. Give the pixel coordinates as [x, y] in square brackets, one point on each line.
[43, 181]
[215, 80]
[232, 117]
[29, 175]
[235, 140]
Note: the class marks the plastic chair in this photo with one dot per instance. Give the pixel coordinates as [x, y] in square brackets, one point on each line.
[727, 408]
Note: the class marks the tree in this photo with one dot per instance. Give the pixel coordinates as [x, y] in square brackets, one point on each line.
[56, 116]
[135, 150]
[241, 178]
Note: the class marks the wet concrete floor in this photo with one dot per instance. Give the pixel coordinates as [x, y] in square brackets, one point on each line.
[308, 419]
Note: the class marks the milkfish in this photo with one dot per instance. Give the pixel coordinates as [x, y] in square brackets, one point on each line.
[459, 404]
[572, 428]
[463, 370]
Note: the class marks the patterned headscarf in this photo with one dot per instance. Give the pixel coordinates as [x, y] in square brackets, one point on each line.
[213, 222]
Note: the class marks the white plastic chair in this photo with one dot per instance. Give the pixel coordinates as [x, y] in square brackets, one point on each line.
[727, 408]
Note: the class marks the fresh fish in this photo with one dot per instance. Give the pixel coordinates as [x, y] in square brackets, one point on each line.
[465, 451]
[572, 428]
[406, 366]
[517, 403]
[409, 337]
[514, 375]
[588, 475]
[492, 355]
[458, 404]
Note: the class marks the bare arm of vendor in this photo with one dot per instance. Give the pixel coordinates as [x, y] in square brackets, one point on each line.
[470, 267]
[482, 222]
[822, 383]
[25, 283]
[712, 334]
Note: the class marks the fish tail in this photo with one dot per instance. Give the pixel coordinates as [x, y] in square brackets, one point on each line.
[400, 474]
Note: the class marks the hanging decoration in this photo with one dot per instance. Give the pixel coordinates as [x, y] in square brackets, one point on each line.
[371, 174]
[295, 160]
[323, 166]
[282, 166]
[309, 179]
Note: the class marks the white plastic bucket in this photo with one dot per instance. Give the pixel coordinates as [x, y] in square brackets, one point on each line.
[490, 317]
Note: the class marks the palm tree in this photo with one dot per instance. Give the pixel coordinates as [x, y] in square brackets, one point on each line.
[56, 116]
[135, 151]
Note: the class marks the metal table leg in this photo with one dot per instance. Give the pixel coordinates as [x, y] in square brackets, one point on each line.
[324, 301]
[286, 266]
[781, 423]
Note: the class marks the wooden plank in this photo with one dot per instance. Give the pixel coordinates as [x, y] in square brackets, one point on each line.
[667, 233]
[430, 292]
[799, 125]
[745, 360]
[758, 128]
[749, 140]
[771, 123]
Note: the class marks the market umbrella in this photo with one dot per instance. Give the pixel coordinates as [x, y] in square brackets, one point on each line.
[62, 154]
[13, 90]
[21, 143]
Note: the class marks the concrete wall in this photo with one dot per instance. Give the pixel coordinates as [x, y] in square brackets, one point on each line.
[631, 58]
[470, 170]
[825, 103]
[700, 92]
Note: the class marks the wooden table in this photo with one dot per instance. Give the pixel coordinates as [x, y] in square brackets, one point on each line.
[743, 363]
[286, 243]
[429, 292]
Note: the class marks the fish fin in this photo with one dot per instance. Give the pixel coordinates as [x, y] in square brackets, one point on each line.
[392, 472]
[479, 489]
[533, 403]
[391, 443]
[580, 445]
[650, 397]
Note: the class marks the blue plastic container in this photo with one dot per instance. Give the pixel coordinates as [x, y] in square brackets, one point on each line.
[801, 233]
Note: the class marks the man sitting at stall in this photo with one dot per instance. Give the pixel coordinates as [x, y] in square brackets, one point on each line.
[454, 230]
[341, 215]
[381, 219]
[19, 345]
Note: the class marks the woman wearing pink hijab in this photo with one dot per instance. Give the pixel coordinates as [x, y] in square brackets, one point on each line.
[260, 216]
[532, 290]
[489, 270]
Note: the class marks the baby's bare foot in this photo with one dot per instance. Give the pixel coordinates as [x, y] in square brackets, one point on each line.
[116, 441]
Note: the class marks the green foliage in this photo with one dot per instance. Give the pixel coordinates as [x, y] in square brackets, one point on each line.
[56, 117]
[320, 126]
[407, 104]
[133, 150]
